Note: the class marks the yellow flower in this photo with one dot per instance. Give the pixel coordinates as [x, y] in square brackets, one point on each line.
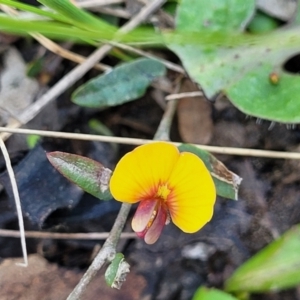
[168, 184]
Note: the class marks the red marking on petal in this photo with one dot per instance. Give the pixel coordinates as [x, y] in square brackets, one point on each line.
[142, 233]
[143, 215]
[157, 226]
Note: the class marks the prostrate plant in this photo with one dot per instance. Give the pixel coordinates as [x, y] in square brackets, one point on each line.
[168, 184]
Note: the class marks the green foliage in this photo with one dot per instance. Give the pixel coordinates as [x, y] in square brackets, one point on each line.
[88, 174]
[124, 83]
[274, 268]
[204, 293]
[35, 67]
[116, 272]
[227, 183]
[99, 127]
[32, 140]
[214, 15]
[241, 70]
[34, 10]
[112, 270]
[77, 16]
[262, 23]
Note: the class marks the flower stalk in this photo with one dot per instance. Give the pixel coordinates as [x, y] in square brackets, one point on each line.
[107, 252]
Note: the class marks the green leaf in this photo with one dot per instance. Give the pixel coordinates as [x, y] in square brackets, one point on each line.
[227, 183]
[125, 83]
[243, 71]
[77, 16]
[49, 28]
[274, 268]
[99, 128]
[278, 101]
[88, 174]
[204, 293]
[117, 271]
[210, 66]
[32, 140]
[35, 10]
[262, 23]
[214, 15]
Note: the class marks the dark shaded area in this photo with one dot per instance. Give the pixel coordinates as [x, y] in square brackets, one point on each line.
[292, 65]
[37, 180]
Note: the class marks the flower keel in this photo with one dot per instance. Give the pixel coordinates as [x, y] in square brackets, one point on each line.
[149, 220]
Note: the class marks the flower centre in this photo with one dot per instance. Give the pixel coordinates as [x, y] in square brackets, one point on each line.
[163, 192]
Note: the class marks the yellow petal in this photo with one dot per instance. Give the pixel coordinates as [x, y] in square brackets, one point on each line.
[138, 173]
[193, 193]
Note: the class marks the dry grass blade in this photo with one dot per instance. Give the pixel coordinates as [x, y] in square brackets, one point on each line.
[168, 64]
[55, 48]
[134, 141]
[184, 95]
[96, 3]
[65, 236]
[15, 191]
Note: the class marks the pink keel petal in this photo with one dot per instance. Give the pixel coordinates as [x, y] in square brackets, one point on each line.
[143, 215]
[157, 226]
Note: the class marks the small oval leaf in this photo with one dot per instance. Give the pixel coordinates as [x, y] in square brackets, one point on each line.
[87, 173]
[124, 83]
[116, 272]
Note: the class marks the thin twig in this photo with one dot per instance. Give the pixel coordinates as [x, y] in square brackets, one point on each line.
[15, 191]
[184, 95]
[96, 3]
[65, 236]
[134, 141]
[116, 12]
[168, 64]
[143, 14]
[67, 54]
[108, 251]
[163, 130]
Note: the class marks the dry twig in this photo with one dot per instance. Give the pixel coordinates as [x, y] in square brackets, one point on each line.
[15, 191]
[64, 236]
[134, 141]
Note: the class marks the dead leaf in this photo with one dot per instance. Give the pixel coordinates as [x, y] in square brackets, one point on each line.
[17, 91]
[194, 117]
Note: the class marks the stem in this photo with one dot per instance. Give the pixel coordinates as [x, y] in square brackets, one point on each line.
[163, 130]
[108, 251]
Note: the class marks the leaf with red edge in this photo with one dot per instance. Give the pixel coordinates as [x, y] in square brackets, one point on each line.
[87, 173]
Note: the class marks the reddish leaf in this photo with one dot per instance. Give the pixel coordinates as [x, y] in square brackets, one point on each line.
[87, 173]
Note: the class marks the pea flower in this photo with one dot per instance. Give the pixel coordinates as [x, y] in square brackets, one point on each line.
[168, 184]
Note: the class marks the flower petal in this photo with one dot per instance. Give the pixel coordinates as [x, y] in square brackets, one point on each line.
[143, 215]
[138, 173]
[193, 193]
[157, 226]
